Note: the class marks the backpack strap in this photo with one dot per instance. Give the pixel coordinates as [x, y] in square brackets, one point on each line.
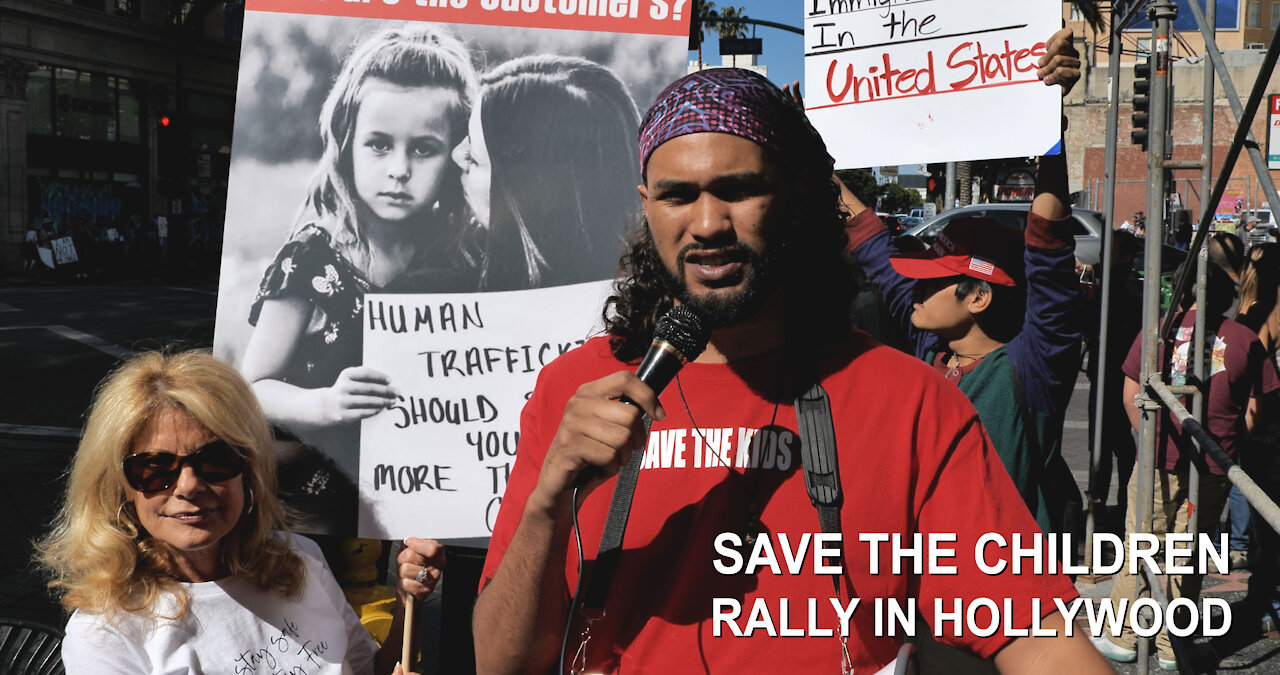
[818, 456]
[615, 526]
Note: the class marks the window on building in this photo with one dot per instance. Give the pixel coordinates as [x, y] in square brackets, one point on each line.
[86, 106]
[1253, 14]
[126, 7]
[1275, 15]
[1144, 48]
[1075, 13]
[40, 101]
[129, 110]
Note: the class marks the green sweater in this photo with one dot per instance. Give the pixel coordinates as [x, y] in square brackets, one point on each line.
[1017, 436]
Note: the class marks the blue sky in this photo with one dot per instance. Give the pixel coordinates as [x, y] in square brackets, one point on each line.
[783, 51]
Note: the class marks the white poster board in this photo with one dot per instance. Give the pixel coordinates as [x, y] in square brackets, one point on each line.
[930, 80]
[465, 364]
[64, 251]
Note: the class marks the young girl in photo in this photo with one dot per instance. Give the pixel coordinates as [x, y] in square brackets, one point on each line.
[383, 213]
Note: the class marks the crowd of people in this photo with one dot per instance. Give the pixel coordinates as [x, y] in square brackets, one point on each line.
[119, 247]
[174, 551]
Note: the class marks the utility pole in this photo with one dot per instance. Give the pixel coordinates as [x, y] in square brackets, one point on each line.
[1161, 14]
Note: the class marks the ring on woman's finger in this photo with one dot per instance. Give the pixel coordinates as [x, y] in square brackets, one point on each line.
[422, 576]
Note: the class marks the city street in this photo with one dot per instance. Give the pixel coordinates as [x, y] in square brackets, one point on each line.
[57, 342]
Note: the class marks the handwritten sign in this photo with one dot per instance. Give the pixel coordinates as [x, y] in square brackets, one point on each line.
[465, 363]
[64, 251]
[910, 81]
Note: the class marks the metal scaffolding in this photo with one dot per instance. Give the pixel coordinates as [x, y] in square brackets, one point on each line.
[1156, 394]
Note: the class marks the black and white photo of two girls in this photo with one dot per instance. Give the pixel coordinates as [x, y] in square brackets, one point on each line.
[375, 156]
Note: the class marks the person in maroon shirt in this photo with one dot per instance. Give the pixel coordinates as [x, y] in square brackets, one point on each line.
[1240, 383]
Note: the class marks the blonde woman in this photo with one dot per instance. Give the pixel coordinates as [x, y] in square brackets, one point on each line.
[173, 551]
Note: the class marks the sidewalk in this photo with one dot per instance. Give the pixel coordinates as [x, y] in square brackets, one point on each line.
[1242, 650]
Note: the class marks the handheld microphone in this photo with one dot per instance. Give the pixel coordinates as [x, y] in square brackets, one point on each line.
[679, 338]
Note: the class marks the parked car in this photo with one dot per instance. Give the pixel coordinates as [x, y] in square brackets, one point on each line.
[1088, 225]
[1088, 230]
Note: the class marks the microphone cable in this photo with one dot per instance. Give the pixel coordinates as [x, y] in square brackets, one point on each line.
[577, 588]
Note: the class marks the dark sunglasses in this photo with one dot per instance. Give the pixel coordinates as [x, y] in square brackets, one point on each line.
[155, 471]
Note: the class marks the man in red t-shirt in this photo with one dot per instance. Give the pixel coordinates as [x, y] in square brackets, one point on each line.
[743, 225]
[1239, 380]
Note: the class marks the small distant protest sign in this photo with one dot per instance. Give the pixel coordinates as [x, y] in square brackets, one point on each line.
[64, 251]
[910, 81]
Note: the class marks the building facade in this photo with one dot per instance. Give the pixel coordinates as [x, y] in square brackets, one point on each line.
[1245, 27]
[116, 118]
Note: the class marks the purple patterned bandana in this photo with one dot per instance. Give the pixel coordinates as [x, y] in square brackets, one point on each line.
[727, 100]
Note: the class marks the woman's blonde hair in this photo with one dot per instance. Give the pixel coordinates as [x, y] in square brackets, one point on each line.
[99, 558]
[1260, 279]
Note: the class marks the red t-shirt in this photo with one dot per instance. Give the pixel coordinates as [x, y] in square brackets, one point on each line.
[913, 459]
[1238, 370]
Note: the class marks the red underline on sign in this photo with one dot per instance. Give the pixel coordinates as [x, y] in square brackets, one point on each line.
[935, 93]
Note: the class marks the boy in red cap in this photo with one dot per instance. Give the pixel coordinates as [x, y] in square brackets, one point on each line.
[995, 311]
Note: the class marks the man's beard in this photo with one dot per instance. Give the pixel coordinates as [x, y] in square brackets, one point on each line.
[719, 309]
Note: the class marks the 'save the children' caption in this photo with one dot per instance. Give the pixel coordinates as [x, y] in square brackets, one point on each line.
[994, 555]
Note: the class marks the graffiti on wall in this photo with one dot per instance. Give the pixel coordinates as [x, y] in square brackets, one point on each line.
[60, 200]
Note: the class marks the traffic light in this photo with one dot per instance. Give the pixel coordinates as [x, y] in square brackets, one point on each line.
[1141, 103]
[171, 155]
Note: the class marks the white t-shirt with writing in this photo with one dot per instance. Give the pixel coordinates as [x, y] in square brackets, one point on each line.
[232, 627]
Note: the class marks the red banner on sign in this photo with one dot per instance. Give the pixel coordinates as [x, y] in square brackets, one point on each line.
[649, 17]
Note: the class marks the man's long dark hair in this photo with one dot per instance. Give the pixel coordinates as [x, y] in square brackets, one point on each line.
[816, 280]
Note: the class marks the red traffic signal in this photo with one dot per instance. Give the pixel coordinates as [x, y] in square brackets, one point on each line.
[164, 120]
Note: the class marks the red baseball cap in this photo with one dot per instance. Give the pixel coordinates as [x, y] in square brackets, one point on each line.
[973, 247]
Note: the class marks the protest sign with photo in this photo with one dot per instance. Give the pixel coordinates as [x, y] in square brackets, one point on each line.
[411, 180]
[891, 83]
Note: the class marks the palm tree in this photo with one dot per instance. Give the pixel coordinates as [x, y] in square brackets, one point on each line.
[707, 14]
[1091, 10]
[726, 29]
